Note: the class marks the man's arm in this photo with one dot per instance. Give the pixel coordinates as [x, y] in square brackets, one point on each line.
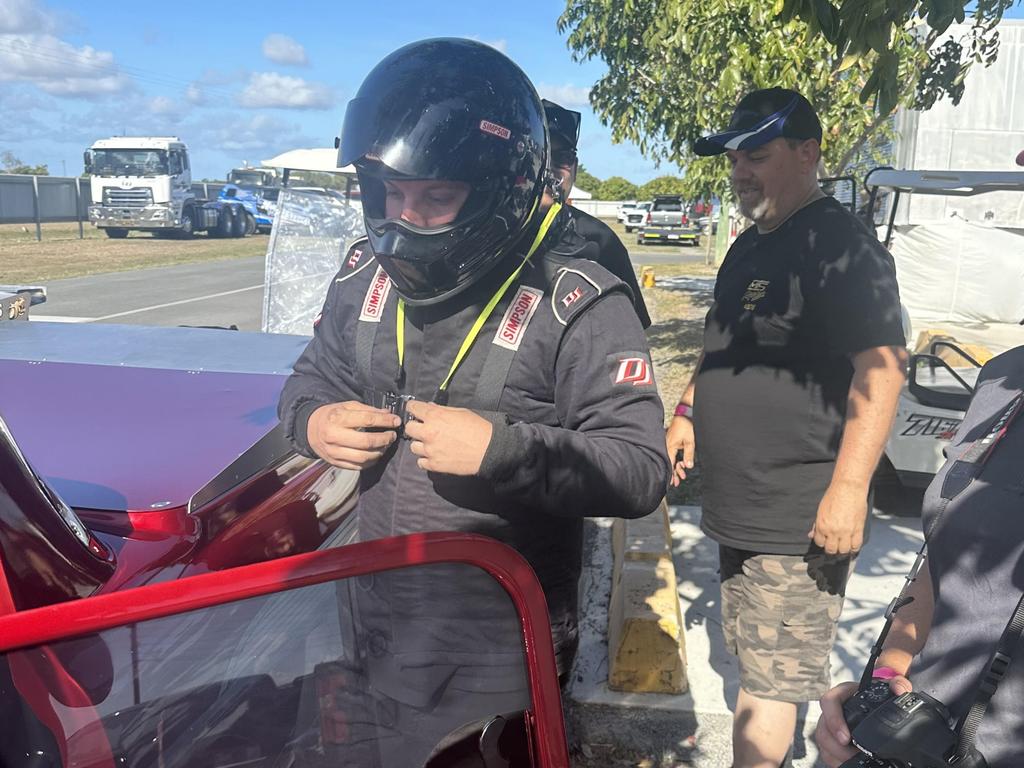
[607, 458]
[878, 375]
[679, 435]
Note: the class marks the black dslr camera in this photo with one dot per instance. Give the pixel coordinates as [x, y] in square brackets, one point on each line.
[390, 401]
[912, 729]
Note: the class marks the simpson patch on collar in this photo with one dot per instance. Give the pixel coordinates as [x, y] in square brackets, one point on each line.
[376, 297]
[517, 317]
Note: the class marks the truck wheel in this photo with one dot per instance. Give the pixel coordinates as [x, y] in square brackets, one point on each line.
[250, 225]
[116, 233]
[223, 228]
[187, 227]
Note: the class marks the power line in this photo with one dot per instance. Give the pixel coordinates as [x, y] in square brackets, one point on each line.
[111, 70]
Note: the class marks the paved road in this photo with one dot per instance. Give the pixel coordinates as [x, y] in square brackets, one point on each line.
[209, 293]
[221, 293]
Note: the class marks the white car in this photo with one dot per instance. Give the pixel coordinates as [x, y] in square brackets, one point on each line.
[637, 216]
[625, 209]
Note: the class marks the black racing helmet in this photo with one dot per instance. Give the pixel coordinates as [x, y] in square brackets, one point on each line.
[454, 110]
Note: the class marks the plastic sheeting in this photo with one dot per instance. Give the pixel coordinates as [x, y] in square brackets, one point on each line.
[312, 231]
[963, 278]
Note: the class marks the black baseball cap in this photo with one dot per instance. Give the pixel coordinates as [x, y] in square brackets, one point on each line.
[760, 117]
[562, 122]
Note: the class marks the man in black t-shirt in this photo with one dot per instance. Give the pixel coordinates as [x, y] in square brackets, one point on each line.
[791, 405]
[564, 132]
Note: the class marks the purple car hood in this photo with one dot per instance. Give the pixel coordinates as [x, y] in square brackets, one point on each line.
[144, 434]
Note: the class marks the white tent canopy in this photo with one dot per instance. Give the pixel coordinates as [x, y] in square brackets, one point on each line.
[579, 194]
[320, 160]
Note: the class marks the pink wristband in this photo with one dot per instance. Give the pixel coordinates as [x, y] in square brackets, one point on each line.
[682, 409]
[885, 673]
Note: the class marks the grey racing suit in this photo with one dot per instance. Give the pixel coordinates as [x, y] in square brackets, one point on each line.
[561, 369]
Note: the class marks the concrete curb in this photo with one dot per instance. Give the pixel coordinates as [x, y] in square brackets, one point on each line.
[646, 647]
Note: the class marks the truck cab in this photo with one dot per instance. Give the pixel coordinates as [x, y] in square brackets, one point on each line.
[139, 182]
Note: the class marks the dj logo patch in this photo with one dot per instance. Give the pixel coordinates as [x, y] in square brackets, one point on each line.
[634, 371]
[572, 297]
[353, 260]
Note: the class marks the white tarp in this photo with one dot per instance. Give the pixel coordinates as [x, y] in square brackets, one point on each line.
[312, 231]
[965, 278]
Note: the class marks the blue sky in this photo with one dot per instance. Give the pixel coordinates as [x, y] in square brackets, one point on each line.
[245, 81]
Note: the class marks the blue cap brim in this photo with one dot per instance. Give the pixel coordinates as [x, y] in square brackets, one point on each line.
[770, 128]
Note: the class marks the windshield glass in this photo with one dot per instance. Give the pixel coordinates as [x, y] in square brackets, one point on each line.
[386, 669]
[129, 162]
[249, 178]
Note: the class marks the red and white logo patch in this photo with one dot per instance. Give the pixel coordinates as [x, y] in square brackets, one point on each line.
[317, 319]
[376, 297]
[518, 315]
[495, 130]
[633, 370]
[572, 297]
[357, 254]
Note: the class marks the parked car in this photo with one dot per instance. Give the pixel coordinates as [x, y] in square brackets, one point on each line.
[668, 221]
[624, 209]
[636, 218]
[164, 443]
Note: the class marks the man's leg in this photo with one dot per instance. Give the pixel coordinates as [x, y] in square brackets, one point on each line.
[762, 731]
[786, 608]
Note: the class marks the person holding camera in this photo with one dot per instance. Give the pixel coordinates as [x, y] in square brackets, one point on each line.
[512, 364]
[954, 641]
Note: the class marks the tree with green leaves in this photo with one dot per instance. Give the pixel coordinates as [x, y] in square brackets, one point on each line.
[615, 188]
[663, 185]
[587, 181]
[11, 164]
[676, 68]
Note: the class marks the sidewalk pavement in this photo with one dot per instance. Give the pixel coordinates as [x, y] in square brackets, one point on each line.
[609, 728]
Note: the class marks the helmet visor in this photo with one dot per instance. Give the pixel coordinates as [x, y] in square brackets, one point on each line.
[446, 140]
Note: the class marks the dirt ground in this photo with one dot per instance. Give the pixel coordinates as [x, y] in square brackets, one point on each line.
[61, 253]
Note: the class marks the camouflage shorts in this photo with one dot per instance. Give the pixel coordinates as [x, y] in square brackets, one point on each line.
[779, 616]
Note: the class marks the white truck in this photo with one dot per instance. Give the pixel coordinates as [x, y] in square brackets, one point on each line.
[145, 183]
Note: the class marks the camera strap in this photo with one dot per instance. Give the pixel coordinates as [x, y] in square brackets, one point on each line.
[967, 728]
[964, 471]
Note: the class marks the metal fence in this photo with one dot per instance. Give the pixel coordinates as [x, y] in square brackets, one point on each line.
[38, 200]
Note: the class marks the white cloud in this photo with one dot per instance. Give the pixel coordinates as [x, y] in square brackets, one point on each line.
[161, 105]
[17, 16]
[282, 49]
[253, 134]
[271, 89]
[194, 94]
[567, 95]
[58, 67]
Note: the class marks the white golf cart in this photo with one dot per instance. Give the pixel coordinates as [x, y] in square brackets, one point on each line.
[961, 277]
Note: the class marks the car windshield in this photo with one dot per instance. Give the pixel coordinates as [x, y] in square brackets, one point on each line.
[249, 178]
[129, 162]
